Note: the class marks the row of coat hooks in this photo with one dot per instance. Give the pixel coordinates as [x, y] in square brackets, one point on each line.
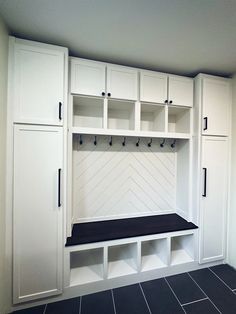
[149, 144]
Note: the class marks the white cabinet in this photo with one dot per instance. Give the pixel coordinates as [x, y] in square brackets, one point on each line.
[180, 91]
[163, 88]
[39, 78]
[88, 77]
[37, 212]
[216, 97]
[122, 82]
[100, 79]
[153, 87]
[214, 198]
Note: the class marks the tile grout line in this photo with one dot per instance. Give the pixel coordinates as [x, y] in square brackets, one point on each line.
[145, 298]
[80, 305]
[44, 311]
[113, 300]
[220, 279]
[195, 301]
[174, 294]
[204, 293]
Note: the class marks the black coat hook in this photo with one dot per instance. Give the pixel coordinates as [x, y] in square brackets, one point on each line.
[150, 143]
[137, 144]
[110, 143]
[95, 140]
[173, 144]
[162, 143]
[124, 141]
[80, 140]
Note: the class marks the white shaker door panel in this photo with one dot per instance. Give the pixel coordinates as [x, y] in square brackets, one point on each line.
[38, 239]
[153, 87]
[214, 199]
[39, 85]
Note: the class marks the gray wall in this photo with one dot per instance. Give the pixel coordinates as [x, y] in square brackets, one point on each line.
[232, 210]
[4, 304]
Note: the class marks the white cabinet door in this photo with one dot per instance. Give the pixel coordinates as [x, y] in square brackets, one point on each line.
[153, 87]
[39, 84]
[180, 91]
[214, 199]
[88, 77]
[215, 106]
[122, 82]
[37, 212]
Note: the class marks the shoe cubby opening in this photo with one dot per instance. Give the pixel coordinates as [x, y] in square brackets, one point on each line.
[86, 266]
[121, 115]
[182, 249]
[154, 254]
[88, 112]
[178, 119]
[152, 118]
[122, 260]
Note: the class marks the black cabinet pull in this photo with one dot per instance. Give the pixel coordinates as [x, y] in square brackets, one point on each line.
[103, 93]
[205, 182]
[59, 188]
[171, 101]
[206, 123]
[166, 101]
[60, 107]
[109, 94]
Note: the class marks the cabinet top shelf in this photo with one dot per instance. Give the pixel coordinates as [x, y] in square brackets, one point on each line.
[97, 131]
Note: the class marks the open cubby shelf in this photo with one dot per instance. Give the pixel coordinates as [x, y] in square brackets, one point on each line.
[154, 254]
[94, 115]
[121, 115]
[86, 266]
[152, 118]
[122, 258]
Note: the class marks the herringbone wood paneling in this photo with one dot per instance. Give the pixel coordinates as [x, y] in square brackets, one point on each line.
[122, 181]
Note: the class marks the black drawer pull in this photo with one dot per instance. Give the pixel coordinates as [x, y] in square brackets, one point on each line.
[60, 107]
[59, 188]
[206, 123]
[205, 182]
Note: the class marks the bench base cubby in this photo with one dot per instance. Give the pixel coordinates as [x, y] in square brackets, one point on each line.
[122, 258]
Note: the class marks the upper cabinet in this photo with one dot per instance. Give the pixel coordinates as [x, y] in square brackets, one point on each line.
[153, 87]
[98, 79]
[122, 82]
[169, 89]
[39, 83]
[216, 95]
[88, 77]
[180, 91]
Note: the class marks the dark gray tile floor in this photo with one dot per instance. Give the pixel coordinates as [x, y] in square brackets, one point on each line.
[206, 291]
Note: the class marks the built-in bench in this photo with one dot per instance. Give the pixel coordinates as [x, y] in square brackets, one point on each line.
[90, 232]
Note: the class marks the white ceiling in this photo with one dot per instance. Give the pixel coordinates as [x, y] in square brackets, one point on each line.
[178, 36]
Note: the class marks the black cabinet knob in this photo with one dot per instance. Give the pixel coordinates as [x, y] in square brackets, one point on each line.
[109, 94]
[166, 101]
[103, 93]
[171, 101]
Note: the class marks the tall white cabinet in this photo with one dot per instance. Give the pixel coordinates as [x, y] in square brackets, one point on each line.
[37, 211]
[212, 131]
[38, 110]
[214, 198]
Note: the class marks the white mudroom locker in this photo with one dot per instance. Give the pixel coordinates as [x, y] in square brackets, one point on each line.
[116, 174]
